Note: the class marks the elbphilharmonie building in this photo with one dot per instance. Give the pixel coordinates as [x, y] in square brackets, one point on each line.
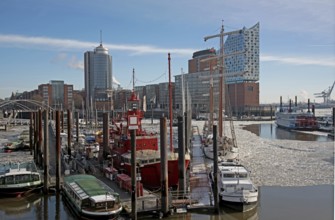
[241, 74]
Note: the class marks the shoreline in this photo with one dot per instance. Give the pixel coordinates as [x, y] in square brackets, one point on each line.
[271, 162]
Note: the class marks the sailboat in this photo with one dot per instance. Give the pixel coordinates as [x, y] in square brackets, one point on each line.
[148, 158]
[235, 186]
[227, 147]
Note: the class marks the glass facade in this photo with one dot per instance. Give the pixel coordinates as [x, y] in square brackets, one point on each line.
[241, 65]
[98, 74]
[57, 88]
[242, 60]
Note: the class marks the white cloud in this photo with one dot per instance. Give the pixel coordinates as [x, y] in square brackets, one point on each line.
[304, 95]
[66, 44]
[75, 63]
[299, 60]
[72, 62]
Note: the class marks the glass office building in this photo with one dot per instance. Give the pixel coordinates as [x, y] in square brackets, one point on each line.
[98, 75]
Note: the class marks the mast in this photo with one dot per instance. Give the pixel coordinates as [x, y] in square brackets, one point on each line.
[211, 101]
[170, 103]
[133, 79]
[100, 37]
[222, 83]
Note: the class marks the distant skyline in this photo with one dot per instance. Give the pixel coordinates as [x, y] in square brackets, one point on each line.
[42, 40]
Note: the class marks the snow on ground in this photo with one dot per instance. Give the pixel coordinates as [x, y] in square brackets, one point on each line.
[275, 162]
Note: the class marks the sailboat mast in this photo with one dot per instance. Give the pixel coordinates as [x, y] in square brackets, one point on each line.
[222, 82]
[211, 102]
[170, 103]
[133, 79]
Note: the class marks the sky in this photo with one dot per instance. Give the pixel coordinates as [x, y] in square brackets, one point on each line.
[44, 40]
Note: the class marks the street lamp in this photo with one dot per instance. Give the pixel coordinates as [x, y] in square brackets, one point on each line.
[110, 95]
[152, 113]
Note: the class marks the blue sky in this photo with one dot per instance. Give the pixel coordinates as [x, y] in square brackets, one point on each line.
[43, 40]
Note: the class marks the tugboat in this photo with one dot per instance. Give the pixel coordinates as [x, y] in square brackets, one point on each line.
[148, 159]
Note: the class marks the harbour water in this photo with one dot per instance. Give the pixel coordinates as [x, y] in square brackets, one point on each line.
[275, 202]
[271, 131]
[295, 179]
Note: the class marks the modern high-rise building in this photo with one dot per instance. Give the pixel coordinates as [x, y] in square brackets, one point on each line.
[241, 68]
[244, 65]
[98, 78]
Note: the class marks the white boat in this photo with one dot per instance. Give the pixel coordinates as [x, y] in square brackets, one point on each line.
[91, 198]
[16, 179]
[296, 120]
[326, 123]
[236, 189]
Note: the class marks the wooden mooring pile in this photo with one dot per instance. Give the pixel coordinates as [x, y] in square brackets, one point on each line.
[194, 193]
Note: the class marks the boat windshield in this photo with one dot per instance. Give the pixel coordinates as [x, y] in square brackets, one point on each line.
[235, 175]
[28, 166]
[101, 205]
[20, 178]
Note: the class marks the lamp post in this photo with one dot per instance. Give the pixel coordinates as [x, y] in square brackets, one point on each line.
[110, 95]
[152, 112]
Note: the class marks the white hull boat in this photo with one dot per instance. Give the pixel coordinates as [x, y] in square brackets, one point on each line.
[236, 190]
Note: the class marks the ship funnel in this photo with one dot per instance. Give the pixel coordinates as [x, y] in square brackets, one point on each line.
[308, 104]
[290, 106]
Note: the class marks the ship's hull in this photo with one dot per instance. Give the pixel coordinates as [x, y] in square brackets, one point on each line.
[88, 215]
[239, 206]
[296, 121]
[17, 190]
[89, 198]
[151, 173]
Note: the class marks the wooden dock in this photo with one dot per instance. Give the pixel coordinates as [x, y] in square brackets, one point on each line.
[198, 197]
[200, 186]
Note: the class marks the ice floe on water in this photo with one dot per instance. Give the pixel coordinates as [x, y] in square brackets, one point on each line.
[275, 162]
[9, 136]
[272, 162]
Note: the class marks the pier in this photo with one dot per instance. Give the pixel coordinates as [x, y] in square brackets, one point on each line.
[198, 197]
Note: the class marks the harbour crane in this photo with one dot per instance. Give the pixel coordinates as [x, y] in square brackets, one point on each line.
[325, 94]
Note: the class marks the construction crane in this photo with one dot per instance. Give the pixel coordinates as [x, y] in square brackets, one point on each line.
[325, 94]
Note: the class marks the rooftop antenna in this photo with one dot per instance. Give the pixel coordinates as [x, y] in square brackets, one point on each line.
[100, 37]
